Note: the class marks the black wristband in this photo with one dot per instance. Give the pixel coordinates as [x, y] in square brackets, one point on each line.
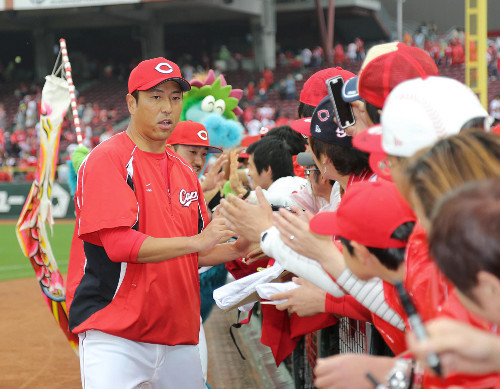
[246, 194]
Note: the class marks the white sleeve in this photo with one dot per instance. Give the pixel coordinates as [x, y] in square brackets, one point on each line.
[371, 295]
[304, 267]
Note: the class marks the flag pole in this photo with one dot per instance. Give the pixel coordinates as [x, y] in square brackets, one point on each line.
[69, 78]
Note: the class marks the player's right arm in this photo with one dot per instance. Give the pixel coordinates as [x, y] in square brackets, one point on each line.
[124, 244]
[160, 249]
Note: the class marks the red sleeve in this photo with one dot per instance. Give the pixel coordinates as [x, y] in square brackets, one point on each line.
[347, 306]
[103, 198]
[122, 244]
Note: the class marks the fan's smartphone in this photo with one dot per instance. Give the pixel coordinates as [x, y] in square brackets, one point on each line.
[342, 109]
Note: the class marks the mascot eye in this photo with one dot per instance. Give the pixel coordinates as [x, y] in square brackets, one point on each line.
[207, 103]
[220, 106]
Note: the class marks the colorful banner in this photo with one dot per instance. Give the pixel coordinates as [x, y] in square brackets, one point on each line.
[38, 210]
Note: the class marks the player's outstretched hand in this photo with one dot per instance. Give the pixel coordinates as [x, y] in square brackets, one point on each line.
[460, 347]
[255, 255]
[215, 232]
[246, 219]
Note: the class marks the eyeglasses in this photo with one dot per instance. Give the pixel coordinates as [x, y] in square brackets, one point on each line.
[307, 172]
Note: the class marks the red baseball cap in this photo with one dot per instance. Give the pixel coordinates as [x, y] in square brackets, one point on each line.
[368, 214]
[302, 126]
[152, 72]
[314, 89]
[384, 67]
[370, 141]
[191, 133]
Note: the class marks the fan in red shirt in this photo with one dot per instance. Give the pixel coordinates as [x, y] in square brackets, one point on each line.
[374, 249]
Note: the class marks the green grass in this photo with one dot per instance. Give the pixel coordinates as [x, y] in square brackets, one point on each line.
[13, 264]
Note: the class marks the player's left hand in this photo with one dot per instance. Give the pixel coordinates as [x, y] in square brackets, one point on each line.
[215, 232]
[245, 247]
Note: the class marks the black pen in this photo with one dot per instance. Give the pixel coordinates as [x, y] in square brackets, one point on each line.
[375, 383]
[417, 325]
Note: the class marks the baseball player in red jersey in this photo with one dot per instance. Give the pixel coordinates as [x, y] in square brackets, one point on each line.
[143, 222]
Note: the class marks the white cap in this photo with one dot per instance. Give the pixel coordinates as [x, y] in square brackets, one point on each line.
[419, 112]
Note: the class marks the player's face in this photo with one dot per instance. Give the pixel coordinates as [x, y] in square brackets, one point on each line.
[157, 111]
[196, 156]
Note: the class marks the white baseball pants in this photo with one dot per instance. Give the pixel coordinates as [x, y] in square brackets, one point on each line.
[111, 362]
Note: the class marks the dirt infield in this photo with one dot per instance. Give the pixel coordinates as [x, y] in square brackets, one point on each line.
[35, 354]
[33, 351]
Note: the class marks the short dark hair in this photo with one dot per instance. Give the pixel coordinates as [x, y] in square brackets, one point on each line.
[465, 234]
[305, 110]
[391, 258]
[347, 160]
[373, 112]
[294, 140]
[135, 95]
[274, 153]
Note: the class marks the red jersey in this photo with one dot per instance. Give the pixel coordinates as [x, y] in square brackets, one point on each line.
[454, 309]
[158, 194]
[423, 280]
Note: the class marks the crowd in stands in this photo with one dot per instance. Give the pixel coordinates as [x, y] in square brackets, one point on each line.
[19, 141]
[267, 101]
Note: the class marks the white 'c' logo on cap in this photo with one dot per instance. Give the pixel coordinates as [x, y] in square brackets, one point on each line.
[202, 134]
[161, 65]
[323, 115]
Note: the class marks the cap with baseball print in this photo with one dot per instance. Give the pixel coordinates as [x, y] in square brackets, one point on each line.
[314, 88]
[325, 129]
[152, 72]
[191, 133]
[368, 214]
[384, 67]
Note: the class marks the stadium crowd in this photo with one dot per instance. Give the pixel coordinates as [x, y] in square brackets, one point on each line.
[18, 133]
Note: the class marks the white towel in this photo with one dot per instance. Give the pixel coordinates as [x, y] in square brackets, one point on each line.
[228, 295]
[265, 291]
